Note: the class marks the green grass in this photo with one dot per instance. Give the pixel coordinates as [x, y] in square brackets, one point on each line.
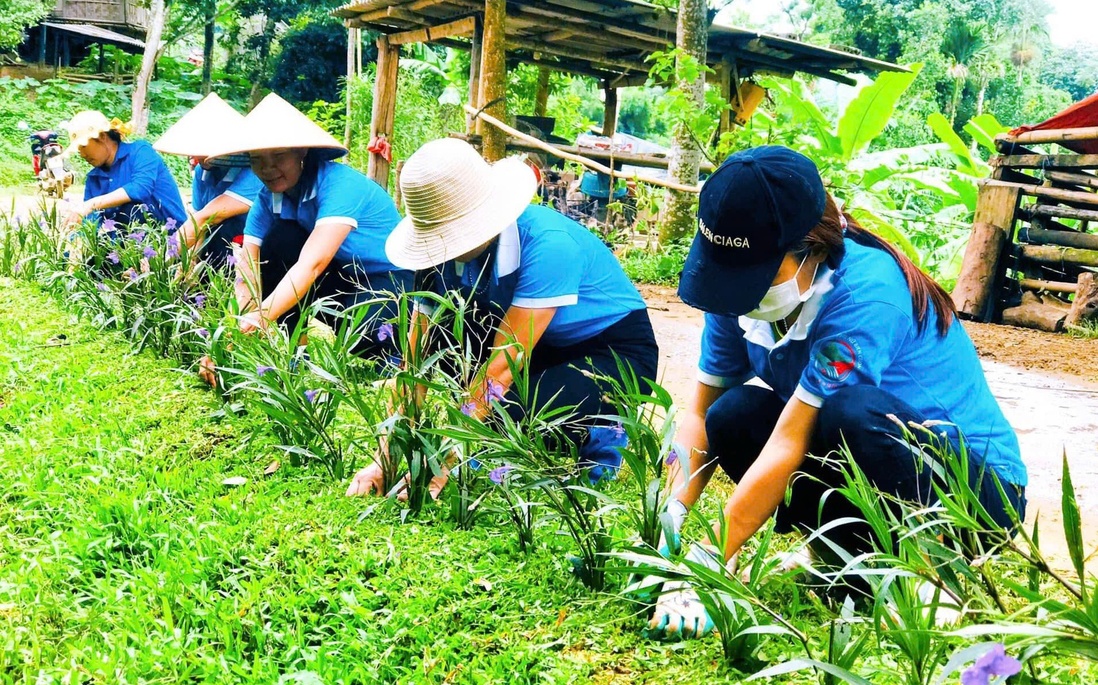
[123, 558]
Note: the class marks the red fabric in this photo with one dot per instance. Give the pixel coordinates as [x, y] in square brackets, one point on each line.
[380, 146]
[1082, 114]
[238, 239]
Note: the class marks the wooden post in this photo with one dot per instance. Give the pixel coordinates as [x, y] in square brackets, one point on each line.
[1035, 313]
[1085, 306]
[1059, 257]
[610, 110]
[493, 78]
[350, 78]
[724, 73]
[974, 294]
[1039, 236]
[397, 197]
[381, 121]
[475, 46]
[541, 96]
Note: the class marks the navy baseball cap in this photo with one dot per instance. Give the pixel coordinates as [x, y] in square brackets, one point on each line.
[759, 205]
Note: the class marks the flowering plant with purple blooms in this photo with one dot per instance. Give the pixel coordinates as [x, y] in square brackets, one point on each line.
[995, 662]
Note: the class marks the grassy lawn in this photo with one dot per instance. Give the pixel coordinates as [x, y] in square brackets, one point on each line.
[123, 557]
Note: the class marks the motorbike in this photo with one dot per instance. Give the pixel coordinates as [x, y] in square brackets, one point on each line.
[50, 168]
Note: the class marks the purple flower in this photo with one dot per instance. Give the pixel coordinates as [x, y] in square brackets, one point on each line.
[170, 225]
[263, 370]
[230, 260]
[672, 456]
[385, 332]
[311, 395]
[110, 225]
[137, 236]
[131, 273]
[199, 300]
[203, 332]
[469, 408]
[495, 391]
[994, 662]
[113, 257]
[497, 475]
[148, 252]
[173, 246]
[100, 287]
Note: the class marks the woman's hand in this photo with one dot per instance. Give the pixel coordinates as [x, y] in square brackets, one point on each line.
[252, 322]
[207, 371]
[76, 212]
[371, 480]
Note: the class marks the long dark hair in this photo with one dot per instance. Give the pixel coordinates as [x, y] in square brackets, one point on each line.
[827, 237]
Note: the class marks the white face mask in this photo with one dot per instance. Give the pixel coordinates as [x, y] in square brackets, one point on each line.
[782, 299]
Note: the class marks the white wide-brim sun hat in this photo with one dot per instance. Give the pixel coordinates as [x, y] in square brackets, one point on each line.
[89, 124]
[455, 202]
[275, 124]
[203, 131]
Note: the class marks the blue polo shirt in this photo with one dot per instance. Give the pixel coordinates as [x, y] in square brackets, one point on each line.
[859, 327]
[239, 183]
[545, 260]
[332, 193]
[142, 173]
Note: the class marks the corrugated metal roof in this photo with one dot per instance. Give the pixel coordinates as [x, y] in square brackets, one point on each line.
[97, 32]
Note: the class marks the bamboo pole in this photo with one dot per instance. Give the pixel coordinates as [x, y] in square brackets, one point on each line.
[1045, 161]
[610, 111]
[1060, 195]
[589, 163]
[1079, 179]
[1040, 236]
[1059, 212]
[1047, 286]
[1054, 135]
[1059, 256]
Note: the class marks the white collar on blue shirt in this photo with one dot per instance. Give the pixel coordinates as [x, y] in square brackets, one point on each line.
[761, 333]
[508, 253]
[230, 175]
[309, 194]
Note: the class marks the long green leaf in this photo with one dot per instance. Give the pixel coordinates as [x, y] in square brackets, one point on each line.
[868, 114]
[983, 130]
[1073, 526]
[875, 224]
[940, 125]
[803, 665]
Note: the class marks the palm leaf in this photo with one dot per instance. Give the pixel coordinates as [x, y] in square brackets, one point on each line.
[868, 114]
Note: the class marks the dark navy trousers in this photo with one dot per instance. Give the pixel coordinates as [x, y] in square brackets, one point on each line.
[740, 422]
[342, 282]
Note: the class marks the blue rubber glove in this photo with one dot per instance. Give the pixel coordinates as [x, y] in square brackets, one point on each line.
[679, 612]
[647, 587]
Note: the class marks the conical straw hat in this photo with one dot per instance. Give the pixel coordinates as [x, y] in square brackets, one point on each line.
[455, 202]
[202, 130]
[276, 124]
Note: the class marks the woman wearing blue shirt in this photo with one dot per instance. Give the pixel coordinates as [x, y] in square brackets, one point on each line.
[848, 338]
[537, 281]
[221, 197]
[317, 228]
[222, 190]
[128, 182]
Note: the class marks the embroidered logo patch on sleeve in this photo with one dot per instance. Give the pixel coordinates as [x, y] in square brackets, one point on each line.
[835, 359]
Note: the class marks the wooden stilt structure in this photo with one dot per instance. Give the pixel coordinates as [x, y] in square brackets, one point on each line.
[1031, 258]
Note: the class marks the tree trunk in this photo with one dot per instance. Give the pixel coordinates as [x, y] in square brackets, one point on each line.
[208, 46]
[493, 78]
[139, 114]
[692, 36]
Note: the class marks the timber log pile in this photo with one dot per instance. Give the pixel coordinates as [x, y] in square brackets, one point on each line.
[1032, 259]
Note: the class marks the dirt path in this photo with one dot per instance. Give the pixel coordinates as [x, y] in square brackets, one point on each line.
[1046, 384]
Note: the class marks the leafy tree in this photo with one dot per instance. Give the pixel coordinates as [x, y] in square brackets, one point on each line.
[1073, 69]
[964, 44]
[312, 54]
[16, 16]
